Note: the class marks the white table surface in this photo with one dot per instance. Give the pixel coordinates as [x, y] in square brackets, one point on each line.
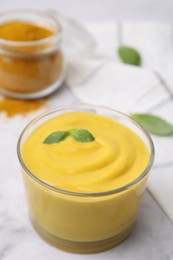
[153, 236]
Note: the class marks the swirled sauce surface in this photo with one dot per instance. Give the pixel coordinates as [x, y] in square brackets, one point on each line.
[116, 157]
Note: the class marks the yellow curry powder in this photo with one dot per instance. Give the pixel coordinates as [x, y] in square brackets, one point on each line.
[14, 107]
[23, 31]
[28, 68]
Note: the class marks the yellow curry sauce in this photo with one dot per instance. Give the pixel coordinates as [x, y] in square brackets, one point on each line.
[114, 159]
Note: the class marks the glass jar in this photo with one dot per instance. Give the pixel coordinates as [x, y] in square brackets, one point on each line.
[31, 69]
[84, 222]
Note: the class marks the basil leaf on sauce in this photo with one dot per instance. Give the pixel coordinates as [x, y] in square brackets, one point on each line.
[129, 55]
[56, 137]
[154, 124]
[82, 135]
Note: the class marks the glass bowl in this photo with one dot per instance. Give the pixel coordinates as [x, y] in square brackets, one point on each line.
[84, 222]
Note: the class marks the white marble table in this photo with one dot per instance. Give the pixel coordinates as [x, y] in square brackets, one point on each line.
[152, 238]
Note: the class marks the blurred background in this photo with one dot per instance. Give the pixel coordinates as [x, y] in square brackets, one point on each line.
[105, 10]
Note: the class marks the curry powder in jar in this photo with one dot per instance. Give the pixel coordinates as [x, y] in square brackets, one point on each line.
[31, 56]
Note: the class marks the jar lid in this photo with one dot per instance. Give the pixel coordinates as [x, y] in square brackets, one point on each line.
[77, 40]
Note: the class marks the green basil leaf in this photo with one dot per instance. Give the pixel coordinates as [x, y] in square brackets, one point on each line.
[154, 124]
[56, 137]
[82, 135]
[129, 55]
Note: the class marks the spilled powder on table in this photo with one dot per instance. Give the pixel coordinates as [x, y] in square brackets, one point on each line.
[13, 107]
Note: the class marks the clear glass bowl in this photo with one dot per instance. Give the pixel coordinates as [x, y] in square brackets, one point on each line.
[84, 222]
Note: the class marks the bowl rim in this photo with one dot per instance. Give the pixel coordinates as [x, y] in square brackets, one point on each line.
[82, 194]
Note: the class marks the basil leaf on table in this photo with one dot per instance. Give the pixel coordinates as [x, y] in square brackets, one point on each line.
[56, 137]
[82, 135]
[154, 124]
[129, 55]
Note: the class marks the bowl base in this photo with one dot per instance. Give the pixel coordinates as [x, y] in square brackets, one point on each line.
[82, 247]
